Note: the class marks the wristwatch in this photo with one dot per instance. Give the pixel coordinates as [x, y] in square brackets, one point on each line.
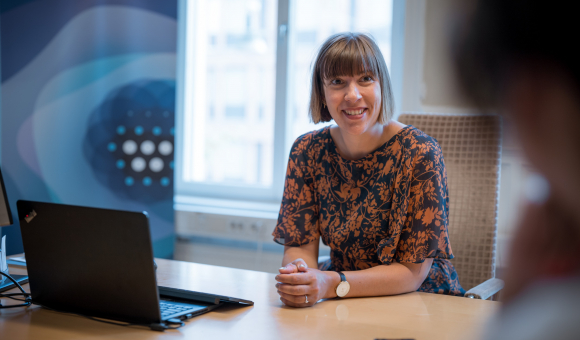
[343, 287]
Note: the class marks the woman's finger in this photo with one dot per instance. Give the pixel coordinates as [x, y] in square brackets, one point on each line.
[295, 278]
[289, 269]
[299, 299]
[296, 304]
[293, 289]
[290, 303]
[300, 264]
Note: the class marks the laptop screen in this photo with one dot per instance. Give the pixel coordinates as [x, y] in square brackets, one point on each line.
[90, 261]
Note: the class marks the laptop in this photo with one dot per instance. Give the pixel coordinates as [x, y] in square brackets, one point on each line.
[99, 263]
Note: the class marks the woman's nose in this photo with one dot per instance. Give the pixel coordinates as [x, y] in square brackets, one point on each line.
[352, 93]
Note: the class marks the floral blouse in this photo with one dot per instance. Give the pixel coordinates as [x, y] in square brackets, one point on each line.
[391, 205]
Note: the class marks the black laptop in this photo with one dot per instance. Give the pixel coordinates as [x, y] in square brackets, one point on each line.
[99, 262]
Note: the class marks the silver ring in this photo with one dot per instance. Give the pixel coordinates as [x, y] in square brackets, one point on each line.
[306, 297]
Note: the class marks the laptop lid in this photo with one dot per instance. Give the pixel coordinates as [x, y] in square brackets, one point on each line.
[90, 261]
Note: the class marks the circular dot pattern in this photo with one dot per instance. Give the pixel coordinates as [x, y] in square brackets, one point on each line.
[111, 146]
[147, 147]
[138, 164]
[156, 164]
[129, 147]
[165, 148]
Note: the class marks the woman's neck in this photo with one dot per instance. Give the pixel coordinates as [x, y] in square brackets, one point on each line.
[355, 147]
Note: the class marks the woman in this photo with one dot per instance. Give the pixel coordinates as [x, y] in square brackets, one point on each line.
[374, 189]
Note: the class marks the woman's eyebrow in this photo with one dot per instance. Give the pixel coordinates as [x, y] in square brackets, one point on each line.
[330, 78]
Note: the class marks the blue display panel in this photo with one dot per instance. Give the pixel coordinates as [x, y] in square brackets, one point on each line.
[87, 107]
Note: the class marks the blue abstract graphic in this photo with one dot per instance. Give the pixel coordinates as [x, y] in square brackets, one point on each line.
[126, 145]
[87, 107]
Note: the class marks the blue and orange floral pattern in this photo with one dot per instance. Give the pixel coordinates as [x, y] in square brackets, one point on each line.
[390, 206]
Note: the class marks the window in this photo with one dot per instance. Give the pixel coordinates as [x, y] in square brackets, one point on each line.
[246, 86]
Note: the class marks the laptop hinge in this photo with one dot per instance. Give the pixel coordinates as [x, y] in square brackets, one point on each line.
[188, 295]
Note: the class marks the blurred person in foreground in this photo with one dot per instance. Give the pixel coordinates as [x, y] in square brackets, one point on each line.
[372, 188]
[520, 58]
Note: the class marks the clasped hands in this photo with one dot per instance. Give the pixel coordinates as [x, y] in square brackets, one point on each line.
[300, 286]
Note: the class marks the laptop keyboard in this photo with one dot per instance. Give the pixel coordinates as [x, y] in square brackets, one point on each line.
[170, 309]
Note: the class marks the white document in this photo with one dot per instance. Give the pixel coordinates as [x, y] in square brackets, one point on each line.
[19, 259]
[3, 265]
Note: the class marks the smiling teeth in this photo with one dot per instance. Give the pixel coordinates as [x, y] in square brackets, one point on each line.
[354, 112]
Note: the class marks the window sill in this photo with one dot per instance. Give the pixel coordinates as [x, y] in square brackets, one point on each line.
[226, 207]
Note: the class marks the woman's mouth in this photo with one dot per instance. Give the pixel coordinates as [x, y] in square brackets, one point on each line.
[355, 112]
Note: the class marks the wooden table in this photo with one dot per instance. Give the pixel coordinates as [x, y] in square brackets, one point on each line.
[414, 315]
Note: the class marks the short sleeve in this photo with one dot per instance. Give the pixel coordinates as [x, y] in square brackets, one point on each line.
[419, 217]
[425, 233]
[298, 218]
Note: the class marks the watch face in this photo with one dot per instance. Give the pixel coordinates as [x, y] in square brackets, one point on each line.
[342, 289]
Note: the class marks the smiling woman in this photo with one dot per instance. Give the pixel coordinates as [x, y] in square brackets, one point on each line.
[340, 58]
[351, 81]
[373, 189]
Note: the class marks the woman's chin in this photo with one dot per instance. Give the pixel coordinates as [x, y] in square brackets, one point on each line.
[354, 130]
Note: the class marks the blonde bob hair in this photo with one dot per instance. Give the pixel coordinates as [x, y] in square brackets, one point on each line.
[349, 54]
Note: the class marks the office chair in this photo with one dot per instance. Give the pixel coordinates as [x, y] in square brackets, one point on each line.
[471, 145]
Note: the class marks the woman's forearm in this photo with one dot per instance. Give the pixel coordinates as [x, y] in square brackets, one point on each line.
[392, 279]
[307, 252]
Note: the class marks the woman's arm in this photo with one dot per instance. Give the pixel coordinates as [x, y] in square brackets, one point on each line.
[308, 253]
[396, 278]
[297, 259]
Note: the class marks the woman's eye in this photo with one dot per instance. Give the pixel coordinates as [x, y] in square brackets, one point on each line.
[336, 82]
[367, 78]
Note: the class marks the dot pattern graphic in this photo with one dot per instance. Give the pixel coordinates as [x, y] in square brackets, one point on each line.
[120, 164]
[129, 147]
[130, 142]
[129, 181]
[147, 147]
[138, 164]
[147, 181]
[112, 147]
[165, 148]
[156, 164]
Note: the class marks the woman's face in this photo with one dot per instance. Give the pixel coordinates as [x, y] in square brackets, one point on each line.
[353, 102]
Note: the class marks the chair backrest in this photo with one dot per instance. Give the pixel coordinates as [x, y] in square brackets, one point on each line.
[471, 147]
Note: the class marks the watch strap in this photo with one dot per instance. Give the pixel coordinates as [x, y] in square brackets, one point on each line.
[342, 277]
